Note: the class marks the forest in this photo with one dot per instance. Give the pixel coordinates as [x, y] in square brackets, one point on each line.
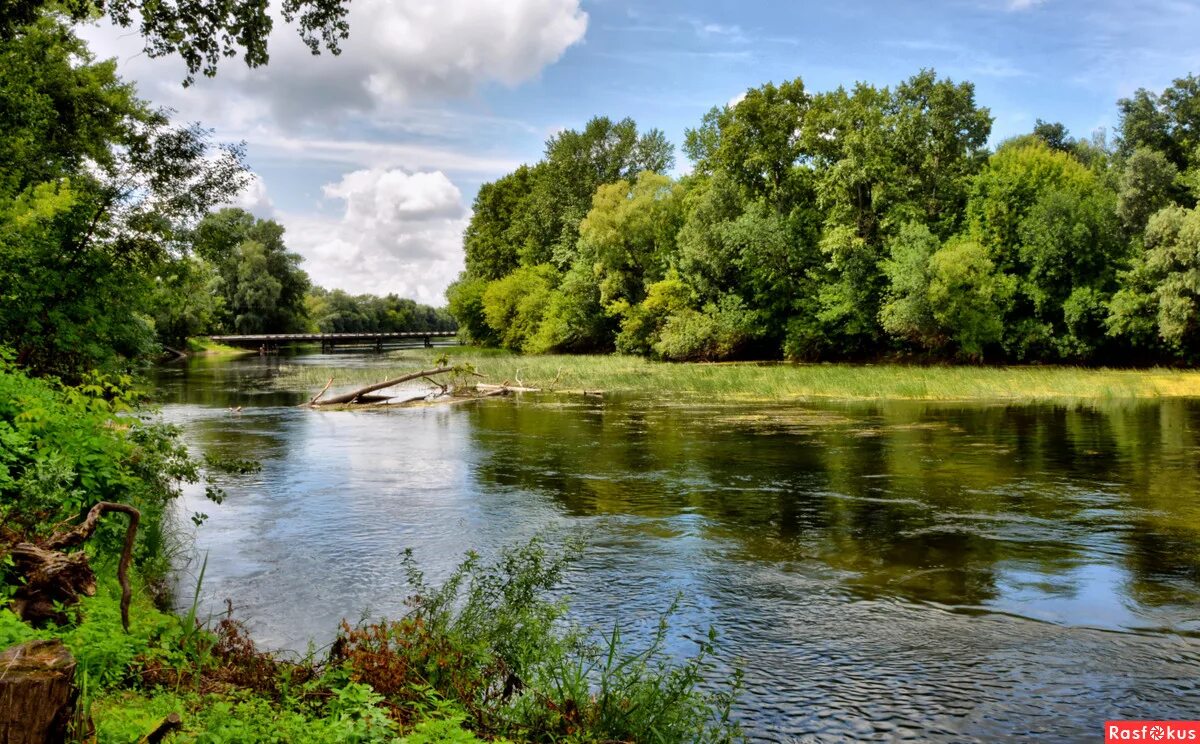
[114, 227]
[860, 223]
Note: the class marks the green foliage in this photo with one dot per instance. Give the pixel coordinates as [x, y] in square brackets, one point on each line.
[465, 302]
[513, 307]
[64, 448]
[337, 311]
[199, 32]
[492, 650]
[715, 333]
[262, 286]
[95, 186]
[968, 299]
[907, 312]
[1162, 292]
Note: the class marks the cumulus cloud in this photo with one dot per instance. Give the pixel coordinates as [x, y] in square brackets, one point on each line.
[397, 53]
[254, 198]
[406, 52]
[398, 232]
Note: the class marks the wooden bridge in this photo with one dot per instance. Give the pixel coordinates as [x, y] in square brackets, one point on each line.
[328, 341]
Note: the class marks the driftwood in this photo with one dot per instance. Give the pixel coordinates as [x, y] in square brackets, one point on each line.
[54, 580]
[360, 395]
[37, 693]
[509, 388]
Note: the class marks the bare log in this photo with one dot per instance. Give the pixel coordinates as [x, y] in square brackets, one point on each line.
[354, 396]
[54, 579]
[510, 388]
[37, 693]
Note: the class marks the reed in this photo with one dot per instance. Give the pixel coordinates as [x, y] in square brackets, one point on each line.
[747, 381]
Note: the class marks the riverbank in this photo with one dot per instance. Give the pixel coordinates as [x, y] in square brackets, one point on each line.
[204, 346]
[771, 382]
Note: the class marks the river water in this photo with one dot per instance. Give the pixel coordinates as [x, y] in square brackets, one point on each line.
[900, 569]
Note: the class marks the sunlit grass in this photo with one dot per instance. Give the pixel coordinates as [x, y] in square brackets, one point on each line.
[205, 345]
[759, 382]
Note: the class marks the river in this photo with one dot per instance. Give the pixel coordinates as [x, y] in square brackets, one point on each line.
[888, 569]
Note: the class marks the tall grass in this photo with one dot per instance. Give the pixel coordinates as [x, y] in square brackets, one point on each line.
[733, 382]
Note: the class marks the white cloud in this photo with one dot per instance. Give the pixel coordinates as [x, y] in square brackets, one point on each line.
[397, 52]
[255, 199]
[1024, 4]
[398, 232]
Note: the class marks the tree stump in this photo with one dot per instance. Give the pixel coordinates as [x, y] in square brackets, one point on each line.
[37, 693]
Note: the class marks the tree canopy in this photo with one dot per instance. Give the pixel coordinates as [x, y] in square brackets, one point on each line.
[857, 222]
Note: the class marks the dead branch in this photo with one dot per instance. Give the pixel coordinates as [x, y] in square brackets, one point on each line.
[54, 579]
[313, 400]
[356, 395]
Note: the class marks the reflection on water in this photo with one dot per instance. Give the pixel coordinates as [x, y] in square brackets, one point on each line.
[939, 571]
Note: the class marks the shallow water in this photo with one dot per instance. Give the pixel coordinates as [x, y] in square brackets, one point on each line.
[954, 572]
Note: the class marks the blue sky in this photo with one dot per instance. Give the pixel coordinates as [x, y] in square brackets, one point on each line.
[371, 159]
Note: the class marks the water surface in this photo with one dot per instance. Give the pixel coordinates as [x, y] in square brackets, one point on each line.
[936, 571]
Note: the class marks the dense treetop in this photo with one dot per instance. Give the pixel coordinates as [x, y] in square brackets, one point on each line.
[851, 223]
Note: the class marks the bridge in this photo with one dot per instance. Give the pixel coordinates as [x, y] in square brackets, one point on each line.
[271, 341]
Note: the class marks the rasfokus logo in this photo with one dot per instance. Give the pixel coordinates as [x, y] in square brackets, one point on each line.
[1151, 731]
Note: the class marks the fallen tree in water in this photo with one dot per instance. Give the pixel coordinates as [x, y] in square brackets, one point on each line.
[365, 396]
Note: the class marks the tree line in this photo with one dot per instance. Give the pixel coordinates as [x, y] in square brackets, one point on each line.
[112, 238]
[855, 223]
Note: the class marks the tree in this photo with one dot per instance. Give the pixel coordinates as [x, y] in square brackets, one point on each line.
[1168, 123]
[199, 31]
[515, 305]
[262, 283]
[1050, 223]
[907, 312]
[95, 188]
[1054, 135]
[627, 239]
[185, 301]
[967, 297]
[1162, 290]
[496, 237]
[1147, 185]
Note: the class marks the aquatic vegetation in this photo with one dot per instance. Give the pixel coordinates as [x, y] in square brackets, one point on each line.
[750, 382]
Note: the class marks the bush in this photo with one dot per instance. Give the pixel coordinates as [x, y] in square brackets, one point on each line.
[492, 642]
[717, 333]
[64, 448]
[515, 306]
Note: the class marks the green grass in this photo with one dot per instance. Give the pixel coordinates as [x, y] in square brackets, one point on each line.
[205, 345]
[772, 382]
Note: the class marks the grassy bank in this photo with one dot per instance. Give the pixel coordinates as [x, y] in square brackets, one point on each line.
[749, 382]
[203, 345]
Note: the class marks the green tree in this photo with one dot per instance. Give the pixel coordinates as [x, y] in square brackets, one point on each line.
[1162, 290]
[907, 312]
[967, 297]
[185, 301]
[496, 236]
[95, 186]
[262, 284]
[515, 306]
[200, 32]
[1147, 185]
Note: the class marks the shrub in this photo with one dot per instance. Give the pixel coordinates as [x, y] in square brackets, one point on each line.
[492, 642]
[715, 334]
